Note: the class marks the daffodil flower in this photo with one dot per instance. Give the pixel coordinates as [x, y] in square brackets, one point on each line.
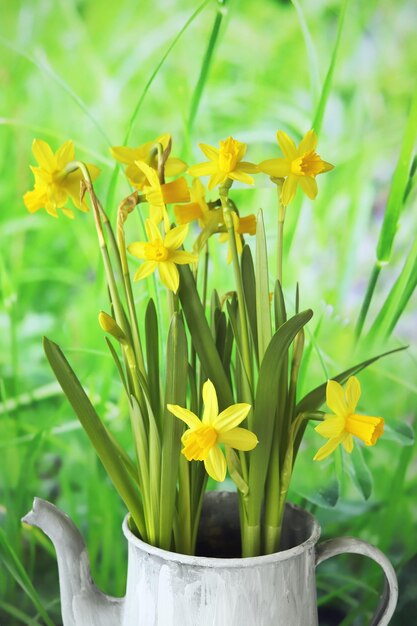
[159, 195]
[53, 185]
[135, 174]
[242, 226]
[202, 440]
[225, 162]
[162, 254]
[197, 208]
[345, 423]
[299, 166]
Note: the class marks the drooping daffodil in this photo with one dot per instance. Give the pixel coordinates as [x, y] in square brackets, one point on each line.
[242, 226]
[162, 253]
[300, 166]
[53, 183]
[159, 195]
[203, 438]
[225, 163]
[148, 153]
[345, 424]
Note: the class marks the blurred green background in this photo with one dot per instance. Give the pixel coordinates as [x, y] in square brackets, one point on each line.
[93, 71]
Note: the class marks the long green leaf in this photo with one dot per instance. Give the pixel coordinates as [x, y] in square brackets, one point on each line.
[315, 398]
[96, 431]
[175, 393]
[202, 338]
[249, 289]
[266, 402]
[263, 305]
[152, 357]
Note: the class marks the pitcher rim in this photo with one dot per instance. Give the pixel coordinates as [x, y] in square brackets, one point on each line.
[217, 562]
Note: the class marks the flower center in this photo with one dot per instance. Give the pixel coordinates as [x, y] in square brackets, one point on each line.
[156, 251]
[367, 428]
[199, 442]
[309, 164]
[228, 155]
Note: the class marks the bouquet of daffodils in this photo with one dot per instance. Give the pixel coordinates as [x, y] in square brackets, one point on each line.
[224, 397]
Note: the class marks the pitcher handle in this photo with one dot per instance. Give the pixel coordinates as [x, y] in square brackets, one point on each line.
[350, 545]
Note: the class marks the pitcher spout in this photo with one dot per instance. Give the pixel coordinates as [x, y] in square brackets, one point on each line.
[81, 601]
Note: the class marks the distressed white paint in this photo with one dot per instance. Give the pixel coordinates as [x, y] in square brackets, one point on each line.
[169, 589]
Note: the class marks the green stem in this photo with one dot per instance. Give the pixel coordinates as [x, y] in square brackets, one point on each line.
[367, 301]
[280, 236]
[228, 220]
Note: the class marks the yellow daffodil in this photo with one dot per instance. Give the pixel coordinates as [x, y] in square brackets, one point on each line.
[198, 209]
[201, 442]
[243, 225]
[145, 152]
[53, 185]
[225, 162]
[299, 166]
[162, 254]
[345, 423]
[159, 195]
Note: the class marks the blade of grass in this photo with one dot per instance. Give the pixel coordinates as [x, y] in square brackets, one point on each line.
[14, 566]
[207, 61]
[395, 204]
[158, 67]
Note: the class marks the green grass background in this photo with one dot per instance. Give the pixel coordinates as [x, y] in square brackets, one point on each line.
[81, 70]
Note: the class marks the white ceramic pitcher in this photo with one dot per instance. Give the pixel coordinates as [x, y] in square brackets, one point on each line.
[169, 589]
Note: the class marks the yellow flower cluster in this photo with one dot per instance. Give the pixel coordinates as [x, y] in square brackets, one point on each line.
[57, 178]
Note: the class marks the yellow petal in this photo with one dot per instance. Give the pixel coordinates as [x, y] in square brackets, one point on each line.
[211, 153]
[180, 257]
[137, 249]
[127, 155]
[145, 269]
[150, 174]
[231, 417]
[288, 189]
[34, 200]
[44, 155]
[332, 426]
[308, 142]
[169, 275]
[65, 154]
[185, 213]
[215, 464]
[217, 179]
[176, 237]
[152, 230]
[211, 407]
[250, 168]
[203, 169]
[287, 145]
[174, 166]
[309, 186]
[353, 393]
[279, 168]
[176, 191]
[326, 167]
[68, 213]
[241, 176]
[185, 415]
[335, 398]
[239, 438]
[348, 443]
[328, 448]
